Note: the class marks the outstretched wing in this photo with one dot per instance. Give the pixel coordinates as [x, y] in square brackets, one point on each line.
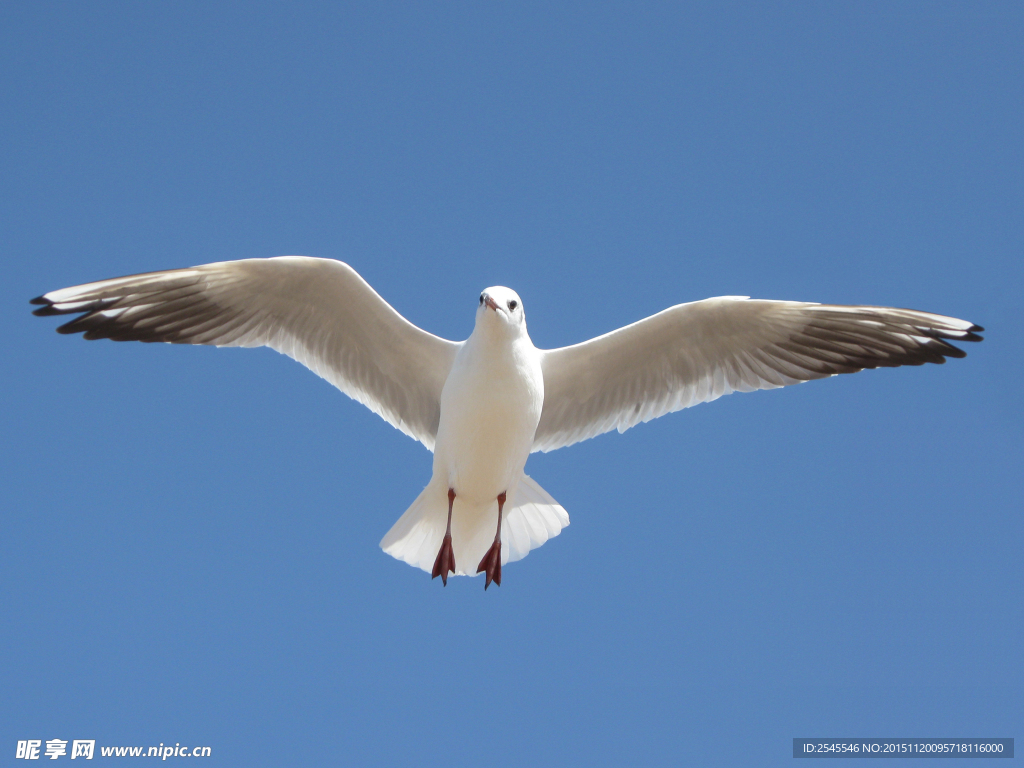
[694, 353]
[317, 311]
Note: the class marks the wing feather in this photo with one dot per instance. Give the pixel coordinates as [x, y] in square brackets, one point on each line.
[697, 352]
[317, 311]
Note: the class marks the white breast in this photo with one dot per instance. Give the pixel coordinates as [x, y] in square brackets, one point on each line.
[490, 408]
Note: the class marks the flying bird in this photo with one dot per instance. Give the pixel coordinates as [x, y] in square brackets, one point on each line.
[484, 404]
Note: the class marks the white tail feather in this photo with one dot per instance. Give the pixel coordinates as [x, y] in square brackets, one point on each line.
[530, 518]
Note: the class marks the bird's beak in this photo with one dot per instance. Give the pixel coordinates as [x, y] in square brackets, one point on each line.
[491, 302]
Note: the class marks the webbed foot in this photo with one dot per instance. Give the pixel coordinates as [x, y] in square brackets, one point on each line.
[445, 562]
[491, 565]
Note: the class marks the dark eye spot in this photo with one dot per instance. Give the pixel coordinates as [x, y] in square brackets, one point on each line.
[513, 304]
[481, 298]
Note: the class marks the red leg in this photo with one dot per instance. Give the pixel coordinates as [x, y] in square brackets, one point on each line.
[491, 564]
[445, 561]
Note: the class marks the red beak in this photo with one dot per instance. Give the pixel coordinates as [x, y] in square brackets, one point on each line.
[490, 302]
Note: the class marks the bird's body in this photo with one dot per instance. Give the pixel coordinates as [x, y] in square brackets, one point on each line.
[483, 405]
[490, 407]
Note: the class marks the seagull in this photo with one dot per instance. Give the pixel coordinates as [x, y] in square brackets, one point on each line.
[484, 404]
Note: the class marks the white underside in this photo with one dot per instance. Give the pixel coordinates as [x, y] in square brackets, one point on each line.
[530, 518]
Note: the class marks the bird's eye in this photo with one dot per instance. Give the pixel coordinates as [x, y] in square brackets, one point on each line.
[513, 304]
[481, 298]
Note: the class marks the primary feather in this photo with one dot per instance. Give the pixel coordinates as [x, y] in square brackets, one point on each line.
[317, 311]
[694, 353]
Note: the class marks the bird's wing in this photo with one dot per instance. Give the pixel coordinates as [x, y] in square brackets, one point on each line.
[694, 353]
[317, 311]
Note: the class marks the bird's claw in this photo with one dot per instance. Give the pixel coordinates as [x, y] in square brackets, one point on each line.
[491, 565]
[445, 562]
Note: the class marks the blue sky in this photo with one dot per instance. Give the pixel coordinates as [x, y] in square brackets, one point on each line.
[189, 550]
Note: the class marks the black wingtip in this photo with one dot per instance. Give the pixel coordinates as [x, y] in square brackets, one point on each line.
[46, 309]
[972, 333]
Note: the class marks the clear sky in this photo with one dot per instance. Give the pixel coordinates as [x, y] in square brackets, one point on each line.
[189, 535]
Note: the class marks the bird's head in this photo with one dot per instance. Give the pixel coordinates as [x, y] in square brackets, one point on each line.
[500, 309]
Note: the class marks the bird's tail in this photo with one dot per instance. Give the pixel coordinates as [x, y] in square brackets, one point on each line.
[530, 518]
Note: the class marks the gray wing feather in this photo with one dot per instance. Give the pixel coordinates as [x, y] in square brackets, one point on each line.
[697, 352]
[319, 312]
